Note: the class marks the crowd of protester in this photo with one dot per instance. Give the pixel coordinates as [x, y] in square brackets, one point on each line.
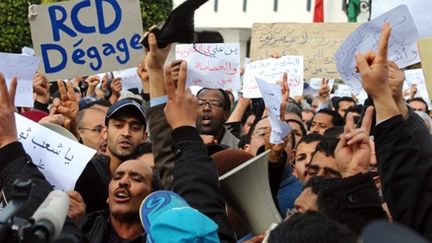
[342, 165]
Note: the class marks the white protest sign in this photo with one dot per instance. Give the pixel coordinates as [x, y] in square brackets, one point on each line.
[129, 79]
[27, 51]
[342, 90]
[402, 47]
[419, 9]
[415, 76]
[212, 65]
[77, 38]
[24, 68]
[60, 159]
[272, 96]
[271, 70]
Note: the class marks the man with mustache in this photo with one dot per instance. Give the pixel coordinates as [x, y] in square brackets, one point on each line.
[213, 112]
[131, 182]
[124, 130]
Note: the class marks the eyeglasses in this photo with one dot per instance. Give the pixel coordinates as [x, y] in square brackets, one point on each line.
[96, 129]
[212, 103]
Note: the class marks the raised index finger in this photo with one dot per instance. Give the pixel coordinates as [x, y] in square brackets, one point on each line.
[384, 39]
[170, 88]
[70, 92]
[181, 83]
[367, 119]
[62, 90]
[4, 95]
[12, 90]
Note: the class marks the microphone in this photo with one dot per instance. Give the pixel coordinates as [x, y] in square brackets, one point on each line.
[50, 216]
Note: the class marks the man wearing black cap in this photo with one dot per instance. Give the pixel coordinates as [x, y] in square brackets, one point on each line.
[124, 130]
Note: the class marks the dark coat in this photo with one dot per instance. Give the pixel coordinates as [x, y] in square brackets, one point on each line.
[404, 157]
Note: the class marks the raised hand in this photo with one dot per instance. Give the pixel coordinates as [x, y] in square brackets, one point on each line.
[175, 70]
[8, 132]
[277, 149]
[144, 76]
[154, 61]
[156, 57]
[182, 106]
[413, 91]
[374, 72]
[116, 87]
[92, 82]
[373, 67]
[41, 88]
[67, 105]
[396, 80]
[324, 91]
[353, 151]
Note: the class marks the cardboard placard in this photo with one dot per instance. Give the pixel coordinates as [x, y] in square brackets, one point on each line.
[316, 42]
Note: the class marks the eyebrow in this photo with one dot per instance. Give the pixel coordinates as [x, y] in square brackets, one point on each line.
[313, 167]
[331, 171]
[131, 173]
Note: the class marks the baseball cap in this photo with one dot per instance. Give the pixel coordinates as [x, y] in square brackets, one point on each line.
[126, 103]
[167, 218]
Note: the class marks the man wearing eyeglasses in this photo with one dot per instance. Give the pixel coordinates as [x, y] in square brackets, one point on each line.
[214, 109]
[90, 123]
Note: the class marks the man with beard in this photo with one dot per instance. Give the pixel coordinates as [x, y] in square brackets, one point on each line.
[214, 108]
[124, 130]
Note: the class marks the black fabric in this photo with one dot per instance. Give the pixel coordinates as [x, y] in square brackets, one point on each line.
[97, 229]
[404, 160]
[196, 180]
[40, 106]
[93, 184]
[353, 202]
[179, 26]
[16, 164]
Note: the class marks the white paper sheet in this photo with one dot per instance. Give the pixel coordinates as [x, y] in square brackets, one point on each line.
[24, 68]
[272, 96]
[212, 65]
[402, 46]
[60, 159]
[271, 70]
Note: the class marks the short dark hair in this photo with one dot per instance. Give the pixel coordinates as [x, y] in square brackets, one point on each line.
[334, 132]
[419, 99]
[142, 149]
[336, 118]
[356, 109]
[226, 103]
[311, 227]
[343, 98]
[302, 127]
[327, 145]
[310, 138]
[319, 183]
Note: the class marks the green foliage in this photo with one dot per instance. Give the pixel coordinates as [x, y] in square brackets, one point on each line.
[14, 25]
[155, 11]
